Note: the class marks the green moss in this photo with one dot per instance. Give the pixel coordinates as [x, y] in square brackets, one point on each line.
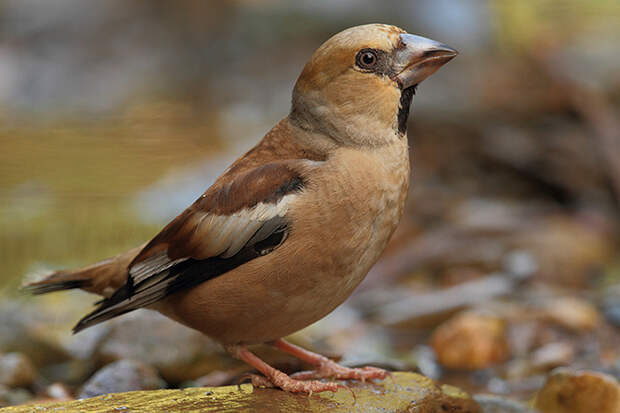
[403, 392]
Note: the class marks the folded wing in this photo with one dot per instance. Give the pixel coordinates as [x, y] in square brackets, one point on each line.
[233, 222]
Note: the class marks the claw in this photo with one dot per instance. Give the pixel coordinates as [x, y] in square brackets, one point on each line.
[342, 386]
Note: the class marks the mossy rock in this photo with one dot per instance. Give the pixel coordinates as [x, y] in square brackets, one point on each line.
[403, 392]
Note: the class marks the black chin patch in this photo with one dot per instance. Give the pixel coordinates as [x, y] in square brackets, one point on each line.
[406, 97]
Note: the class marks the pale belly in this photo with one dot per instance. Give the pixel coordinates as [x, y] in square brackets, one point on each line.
[342, 224]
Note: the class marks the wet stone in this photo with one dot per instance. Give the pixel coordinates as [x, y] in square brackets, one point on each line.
[122, 376]
[177, 352]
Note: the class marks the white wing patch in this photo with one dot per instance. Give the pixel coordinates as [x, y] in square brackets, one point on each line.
[152, 265]
[220, 235]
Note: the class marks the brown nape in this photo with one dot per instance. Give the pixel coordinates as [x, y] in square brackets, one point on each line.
[277, 145]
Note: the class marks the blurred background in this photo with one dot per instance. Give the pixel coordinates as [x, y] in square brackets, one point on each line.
[116, 115]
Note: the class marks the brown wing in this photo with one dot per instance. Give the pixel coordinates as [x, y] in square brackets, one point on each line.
[233, 222]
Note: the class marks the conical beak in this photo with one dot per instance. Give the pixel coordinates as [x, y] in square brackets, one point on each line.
[417, 58]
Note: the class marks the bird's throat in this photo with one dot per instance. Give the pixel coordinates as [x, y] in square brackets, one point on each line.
[406, 97]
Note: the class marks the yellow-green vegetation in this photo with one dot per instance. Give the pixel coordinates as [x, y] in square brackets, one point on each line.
[65, 191]
[528, 25]
[403, 392]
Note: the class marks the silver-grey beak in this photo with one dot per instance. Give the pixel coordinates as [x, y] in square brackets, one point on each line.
[417, 58]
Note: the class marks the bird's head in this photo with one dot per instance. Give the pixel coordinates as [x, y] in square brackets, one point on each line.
[358, 86]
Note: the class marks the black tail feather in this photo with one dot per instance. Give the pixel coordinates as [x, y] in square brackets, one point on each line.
[95, 317]
[103, 312]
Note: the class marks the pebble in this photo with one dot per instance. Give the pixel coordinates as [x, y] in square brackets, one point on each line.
[20, 331]
[572, 391]
[611, 310]
[58, 391]
[497, 404]
[177, 352]
[122, 376]
[16, 370]
[10, 397]
[470, 341]
[552, 355]
[573, 313]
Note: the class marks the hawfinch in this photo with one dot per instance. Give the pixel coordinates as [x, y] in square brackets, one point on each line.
[289, 230]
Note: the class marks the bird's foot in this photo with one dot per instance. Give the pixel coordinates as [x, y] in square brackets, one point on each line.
[286, 383]
[326, 367]
[275, 378]
[334, 370]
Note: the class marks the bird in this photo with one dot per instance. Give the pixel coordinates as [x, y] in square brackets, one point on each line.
[289, 230]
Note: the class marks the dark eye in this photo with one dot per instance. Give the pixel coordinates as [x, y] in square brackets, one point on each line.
[366, 59]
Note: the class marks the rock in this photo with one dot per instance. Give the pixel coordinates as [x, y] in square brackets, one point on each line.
[422, 310]
[408, 392]
[611, 309]
[566, 249]
[542, 360]
[72, 372]
[496, 404]
[216, 378]
[470, 341]
[10, 397]
[521, 265]
[552, 355]
[573, 313]
[177, 352]
[570, 391]
[23, 329]
[58, 391]
[426, 362]
[16, 370]
[122, 375]
[40, 329]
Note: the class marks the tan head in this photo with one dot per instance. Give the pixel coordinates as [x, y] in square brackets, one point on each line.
[358, 86]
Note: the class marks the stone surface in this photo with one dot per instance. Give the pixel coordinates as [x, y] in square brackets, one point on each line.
[10, 396]
[552, 355]
[470, 341]
[58, 391]
[122, 375]
[573, 313]
[496, 404]
[570, 391]
[24, 328]
[16, 370]
[177, 352]
[403, 392]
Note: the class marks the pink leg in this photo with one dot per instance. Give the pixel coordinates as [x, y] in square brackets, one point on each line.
[326, 367]
[276, 378]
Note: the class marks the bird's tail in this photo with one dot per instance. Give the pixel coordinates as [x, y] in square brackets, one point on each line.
[58, 281]
[102, 278]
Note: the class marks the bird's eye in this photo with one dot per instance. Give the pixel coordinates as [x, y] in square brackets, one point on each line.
[366, 59]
